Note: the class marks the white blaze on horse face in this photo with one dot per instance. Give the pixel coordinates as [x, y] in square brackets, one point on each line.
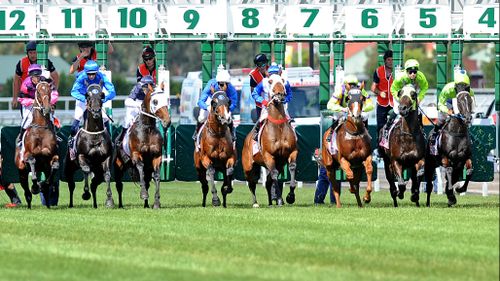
[227, 115]
[274, 80]
[355, 110]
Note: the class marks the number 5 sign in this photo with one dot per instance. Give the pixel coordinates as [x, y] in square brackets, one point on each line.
[309, 19]
[427, 19]
[368, 20]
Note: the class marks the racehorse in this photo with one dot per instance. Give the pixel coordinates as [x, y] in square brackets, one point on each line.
[354, 149]
[454, 151]
[40, 147]
[277, 147]
[144, 145]
[406, 148]
[216, 151]
[93, 150]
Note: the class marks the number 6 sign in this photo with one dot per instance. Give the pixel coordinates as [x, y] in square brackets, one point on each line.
[309, 19]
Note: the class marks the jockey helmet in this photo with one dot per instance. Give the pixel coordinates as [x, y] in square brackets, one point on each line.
[260, 59]
[461, 77]
[223, 76]
[31, 46]
[274, 69]
[148, 79]
[411, 64]
[34, 70]
[148, 53]
[351, 79]
[85, 44]
[91, 67]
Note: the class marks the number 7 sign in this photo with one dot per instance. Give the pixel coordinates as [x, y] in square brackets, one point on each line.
[309, 19]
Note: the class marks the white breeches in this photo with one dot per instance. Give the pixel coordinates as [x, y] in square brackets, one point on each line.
[203, 115]
[27, 116]
[80, 108]
[130, 113]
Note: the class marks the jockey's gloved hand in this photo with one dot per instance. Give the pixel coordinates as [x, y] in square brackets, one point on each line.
[265, 103]
[201, 116]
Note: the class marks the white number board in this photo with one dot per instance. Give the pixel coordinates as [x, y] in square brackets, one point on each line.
[427, 19]
[252, 19]
[72, 19]
[481, 19]
[17, 20]
[368, 20]
[196, 19]
[309, 19]
[132, 19]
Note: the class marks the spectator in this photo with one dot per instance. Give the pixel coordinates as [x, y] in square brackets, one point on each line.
[22, 71]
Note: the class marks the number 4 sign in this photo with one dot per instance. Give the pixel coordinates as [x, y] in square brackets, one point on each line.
[481, 19]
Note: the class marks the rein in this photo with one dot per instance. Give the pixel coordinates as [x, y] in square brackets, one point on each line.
[93, 133]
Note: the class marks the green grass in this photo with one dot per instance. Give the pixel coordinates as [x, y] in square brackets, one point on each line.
[184, 241]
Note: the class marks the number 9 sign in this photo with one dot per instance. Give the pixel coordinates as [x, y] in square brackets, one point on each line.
[196, 19]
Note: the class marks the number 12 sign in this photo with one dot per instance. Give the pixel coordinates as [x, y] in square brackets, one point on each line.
[309, 19]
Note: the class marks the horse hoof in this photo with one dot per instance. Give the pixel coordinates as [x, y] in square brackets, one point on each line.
[367, 199]
[279, 202]
[86, 196]
[35, 189]
[401, 194]
[452, 201]
[290, 198]
[459, 187]
[110, 203]
[229, 189]
[157, 206]
[414, 198]
[216, 202]
[255, 205]
[144, 195]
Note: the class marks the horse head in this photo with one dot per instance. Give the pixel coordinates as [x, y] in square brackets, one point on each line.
[277, 90]
[463, 105]
[220, 107]
[407, 100]
[42, 97]
[94, 96]
[355, 102]
[157, 102]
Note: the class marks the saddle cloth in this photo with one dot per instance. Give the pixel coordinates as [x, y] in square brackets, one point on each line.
[197, 146]
[384, 142]
[125, 142]
[434, 146]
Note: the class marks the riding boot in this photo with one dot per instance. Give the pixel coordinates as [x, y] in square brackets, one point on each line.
[106, 126]
[195, 134]
[20, 137]
[334, 125]
[388, 125]
[256, 130]
[119, 138]
[233, 132]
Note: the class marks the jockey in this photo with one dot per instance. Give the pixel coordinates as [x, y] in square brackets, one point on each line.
[27, 95]
[133, 103]
[263, 90]
[445, 103]
[148, 67]
[91, 75]
[338, 101]
[220, 83]
[413, 76]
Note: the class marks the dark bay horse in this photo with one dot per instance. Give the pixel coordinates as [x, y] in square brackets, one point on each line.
[406, 148]
[354, 149]
[277, 147]
[40, 147]
[454, 151]
[93, 150]
[216, 152]
[144, 145]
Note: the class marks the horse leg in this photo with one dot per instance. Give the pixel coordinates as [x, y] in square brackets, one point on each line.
[452, 200]
[23, 179]
[416, 178]
[292, 166]
[223, 190]
[147, 179]
[35, 188]
[369, 172]
[336, 186]
[110, 203]
[119, 183]
[210, 179]
[273, 173]
[398, 169]
[468, 176]
[269, 186]
[429, 177]
[156, 178]
[140, 167]
[389, 175]
[202, 177]
[96, 180]
[354, 183]
[252, 177]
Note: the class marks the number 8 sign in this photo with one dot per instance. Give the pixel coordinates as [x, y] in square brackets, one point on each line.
[252, 19]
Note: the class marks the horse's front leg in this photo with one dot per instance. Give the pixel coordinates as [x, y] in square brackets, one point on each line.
[156, 178]
[227, 187]
[416, 178]
[463, 188]
[107, 178]
[35, 188]
[452, 200]
[139, 165]
[211, 182]
[273, 173]
[389, 175]
[398, 170]
[346, 167]
[86, 171]
[369, 173]
[292, 166]
[330, 172]
[23, 180]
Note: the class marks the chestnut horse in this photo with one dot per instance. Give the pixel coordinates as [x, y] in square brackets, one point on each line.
[40, 147]
[93, 151]
[353, 151]
[454, 151]
[144, 146]
[277, 147]
[406, 148]
[216, 152]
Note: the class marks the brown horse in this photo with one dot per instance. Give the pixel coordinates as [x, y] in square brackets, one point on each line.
[40, 147]
[406, 148]
[145, 144]
[278, 146]
[93, 151]
[216, 151]
[354, 149]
